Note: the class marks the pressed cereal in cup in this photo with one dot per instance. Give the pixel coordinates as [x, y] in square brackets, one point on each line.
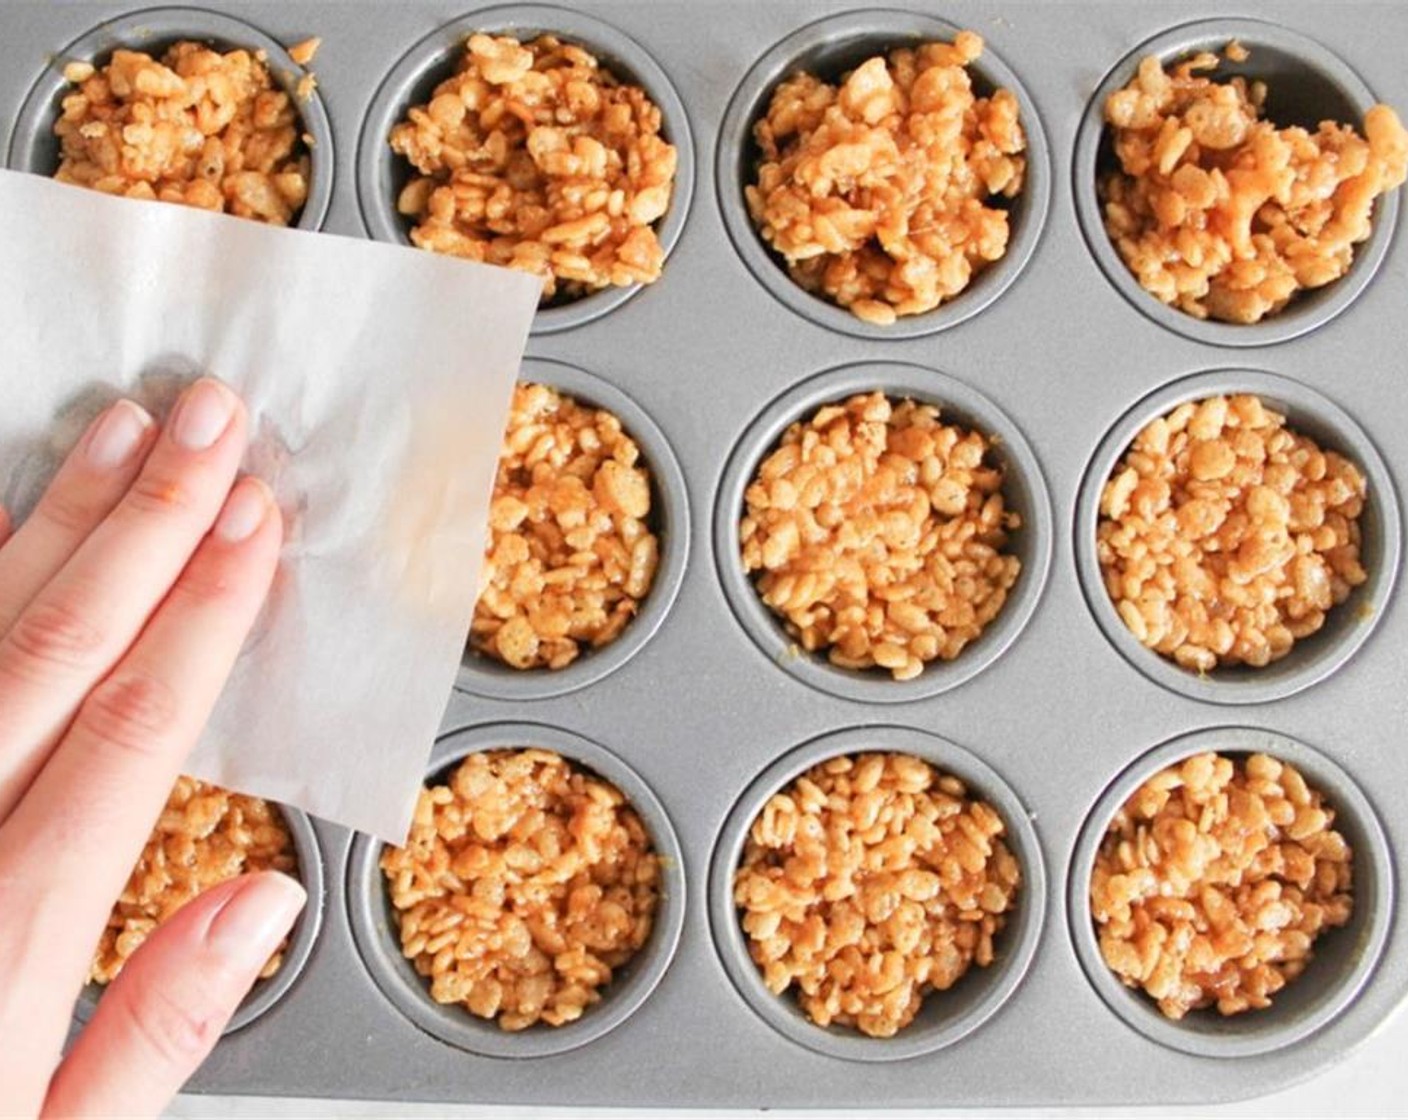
[197, 125]
[219, 113]
[887, 192]
[526, 883]
[880, 534]
[572, 553]
[536, 156]
[1231, 893]
[205, 836]
[1225, 536]
[1215, 880]
[869, 882]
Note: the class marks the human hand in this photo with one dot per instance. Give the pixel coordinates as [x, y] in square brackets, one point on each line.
[124, 601]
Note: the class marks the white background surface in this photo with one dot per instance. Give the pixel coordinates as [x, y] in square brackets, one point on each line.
[1372, 1082]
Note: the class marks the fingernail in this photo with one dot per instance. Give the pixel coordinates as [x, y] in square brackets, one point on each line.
[202, 415]
[249, 927]
[116, 435]
[245, 510]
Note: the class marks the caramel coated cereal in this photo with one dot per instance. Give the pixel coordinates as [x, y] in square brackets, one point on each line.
[525, 884]
[199, 127]
[571, 554]
[869, 882]
[879, 534]
[886, 194]
[205, 836]
[1225, 537]
[1214, 881]
[535, 156]
[1222, 214]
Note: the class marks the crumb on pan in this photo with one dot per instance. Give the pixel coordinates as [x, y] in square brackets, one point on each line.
[1215, 879]
[1225, 537]
[306, 87]
[571, 553]
[879, 534]
[303, 52]
[886, 194]
[1220, 213]
[206, 835]
[869, 882]
[199, 127]
[535, 156]
[525, 883]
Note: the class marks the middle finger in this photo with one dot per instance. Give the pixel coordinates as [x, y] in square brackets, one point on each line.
[75, 630]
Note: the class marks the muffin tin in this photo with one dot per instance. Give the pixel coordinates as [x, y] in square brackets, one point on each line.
[703, 707]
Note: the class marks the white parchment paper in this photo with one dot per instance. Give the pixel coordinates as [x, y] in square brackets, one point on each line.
[377, 379]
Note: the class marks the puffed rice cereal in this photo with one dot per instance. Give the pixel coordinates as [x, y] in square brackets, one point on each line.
[879, 534]
[887, 194]
[1225, 537]
[537, 157]
[205, 836]
[571, 554]
[525, 884]
[1222, 214]
[199, 127]
[869, 882]
[1215, 879]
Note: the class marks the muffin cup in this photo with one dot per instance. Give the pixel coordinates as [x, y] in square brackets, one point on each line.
[1347, 626]
[35, 148]
[376, 931]
[946, 1016]
[266, 993]
[1344, 958]
[484, 676]
[829, 48]
[381, 173]
[1306, 84]
[1024, 490]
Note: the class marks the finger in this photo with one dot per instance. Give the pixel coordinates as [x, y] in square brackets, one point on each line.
[75, 630]
[89, 811]
[4, 526]
[87, 487]
[163, 1014]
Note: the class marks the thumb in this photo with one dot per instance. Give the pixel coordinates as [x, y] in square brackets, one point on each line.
[165, 1011]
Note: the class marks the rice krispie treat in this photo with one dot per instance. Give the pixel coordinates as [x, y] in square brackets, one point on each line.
[571, 554]
[199, 127]
[879, 534]
[869, 882]
[535, 156]
[1222, 214]
[887, 193]
[525, 884]
[1214, 881]
[1225, 537]
[205, 836]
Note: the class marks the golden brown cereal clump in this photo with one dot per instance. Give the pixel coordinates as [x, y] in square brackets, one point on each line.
[524, 884]
[199, 127]
[879, 534]
[1222, 214]
[205, 836]
[536, 157]
[1214, 880]
[571, 554]
[885, 194]
[1224, 536]
[870, 881]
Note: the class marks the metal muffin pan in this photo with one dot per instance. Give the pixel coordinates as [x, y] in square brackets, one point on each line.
[702, 711]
